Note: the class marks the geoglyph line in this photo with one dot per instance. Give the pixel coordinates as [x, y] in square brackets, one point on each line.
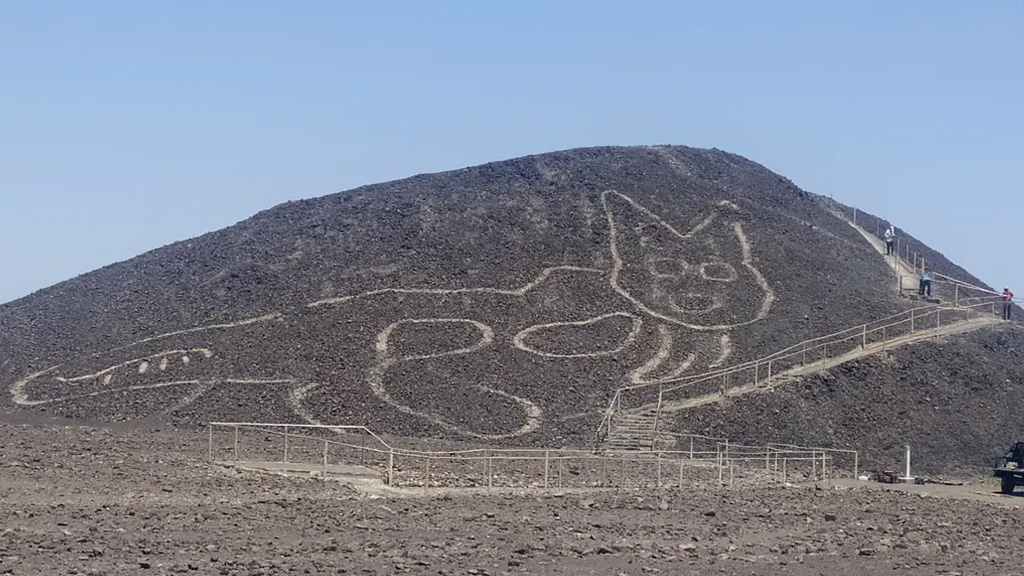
[519, 341]
[142, 362]
[521, 291]
[376, 374]
[383, 347]
[238, 324]
[617, 265]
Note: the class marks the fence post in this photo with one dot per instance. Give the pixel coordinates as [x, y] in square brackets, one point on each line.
[912, 320]
[680, 473]
[391, 467]
[756, 364]
[235, 457]
[490, 473]
[657, 416]
[659, 470]
[938, 311]
[691, 447]
[286, 445]
[362, 446]
[814, 466]
[864, 336]
[767, 451]
[210, 427]
[426, 480]
[956, 295]
[856, 465]
[325, 459]
[768, 381]
[622, 471]
[718, 462]
[604, 472]
[546, 469]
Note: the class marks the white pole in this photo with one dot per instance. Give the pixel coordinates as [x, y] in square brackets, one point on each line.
[908, 462]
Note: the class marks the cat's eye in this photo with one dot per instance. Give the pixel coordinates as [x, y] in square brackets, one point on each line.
[718, 272]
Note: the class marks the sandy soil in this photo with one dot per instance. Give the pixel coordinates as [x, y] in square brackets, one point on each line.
[80, 500]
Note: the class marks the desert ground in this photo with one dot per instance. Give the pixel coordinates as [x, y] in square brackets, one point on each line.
[135, 499]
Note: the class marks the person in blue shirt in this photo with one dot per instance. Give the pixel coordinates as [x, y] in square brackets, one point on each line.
[925, 285]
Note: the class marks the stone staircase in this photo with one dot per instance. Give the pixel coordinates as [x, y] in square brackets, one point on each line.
[634, 431]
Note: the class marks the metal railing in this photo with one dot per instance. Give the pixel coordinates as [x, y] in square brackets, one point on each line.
[792, 361]
[304, 448]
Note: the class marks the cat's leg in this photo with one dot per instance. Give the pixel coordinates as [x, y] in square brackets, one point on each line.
[445, 371]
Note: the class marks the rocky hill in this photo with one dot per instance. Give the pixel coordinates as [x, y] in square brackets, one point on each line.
[502, 303]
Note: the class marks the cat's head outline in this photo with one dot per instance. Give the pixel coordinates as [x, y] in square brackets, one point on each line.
[703, 279]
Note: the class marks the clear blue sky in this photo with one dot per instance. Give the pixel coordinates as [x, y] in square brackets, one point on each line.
[126, 125]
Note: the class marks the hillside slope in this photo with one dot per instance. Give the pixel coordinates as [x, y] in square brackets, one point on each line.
[955, 400]
[504, 302]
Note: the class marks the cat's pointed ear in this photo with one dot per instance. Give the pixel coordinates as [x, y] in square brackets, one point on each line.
[644, 248]
[702, 277]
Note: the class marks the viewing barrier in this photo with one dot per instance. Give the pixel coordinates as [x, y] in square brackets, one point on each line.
[327, 451]
[807, 357]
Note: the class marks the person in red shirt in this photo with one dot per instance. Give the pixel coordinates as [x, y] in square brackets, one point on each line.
[1007, 302]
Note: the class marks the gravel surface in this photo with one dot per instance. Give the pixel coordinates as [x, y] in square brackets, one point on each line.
[81, 500]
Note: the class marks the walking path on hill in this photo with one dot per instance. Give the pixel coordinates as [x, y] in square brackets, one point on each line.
[796, 372]
[637, 428]
[898, 265]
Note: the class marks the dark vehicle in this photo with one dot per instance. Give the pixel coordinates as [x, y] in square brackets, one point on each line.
[1010, 469]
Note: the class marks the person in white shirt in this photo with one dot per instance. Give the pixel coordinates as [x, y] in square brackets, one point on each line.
[890, 240]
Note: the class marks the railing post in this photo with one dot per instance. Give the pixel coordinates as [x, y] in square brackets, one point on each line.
[426, 476]
[362, 446]
[864, 336]
[718, 461]
[856, 465]
[235, 457]
[691, 447]
[938, 311]
[325, 459]
[680, 473]
[391, 467]
[622, 471]
[210, 429]
[911, 319]
[768, 381]
[490, 473]
[657, 416]
[956, 295]
[546, 467]
[286, 445]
